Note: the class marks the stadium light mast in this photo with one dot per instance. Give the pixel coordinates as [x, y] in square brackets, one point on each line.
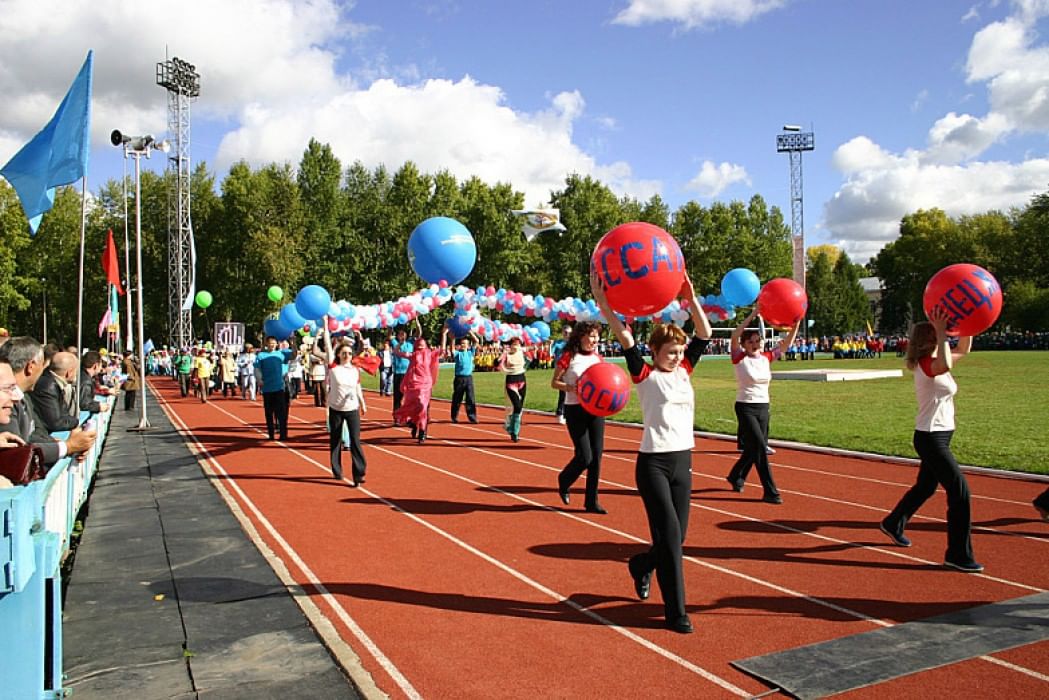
[793, 141]
[183, 84]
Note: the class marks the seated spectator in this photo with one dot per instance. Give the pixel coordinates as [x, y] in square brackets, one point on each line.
[53, 393]
[21, 363]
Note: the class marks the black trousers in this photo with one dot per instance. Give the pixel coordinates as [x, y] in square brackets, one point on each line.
[588, 438]
[753, 421]
[938, 466]
[352, 419]
[398, 395]
[1042, 500]
[463, 392]
[560, 403]
[129, 399]
[664, 480]
[275, 405]
[516, 396]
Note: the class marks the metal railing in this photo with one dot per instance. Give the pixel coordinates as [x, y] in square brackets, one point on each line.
[36, 526]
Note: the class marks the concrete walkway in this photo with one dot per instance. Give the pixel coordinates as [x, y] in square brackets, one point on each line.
[169, 598]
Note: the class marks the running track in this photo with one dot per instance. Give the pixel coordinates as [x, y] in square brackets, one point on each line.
[455, 571]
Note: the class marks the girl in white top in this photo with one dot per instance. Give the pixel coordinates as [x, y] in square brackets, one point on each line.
[930, 357]
[345, 406]
[664, 463]
[586, 430]
[753, 374]
[512, 364]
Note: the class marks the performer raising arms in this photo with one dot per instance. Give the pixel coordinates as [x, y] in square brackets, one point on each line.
[664, 461]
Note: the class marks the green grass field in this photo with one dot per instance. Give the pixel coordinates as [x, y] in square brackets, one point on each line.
[1001, 406]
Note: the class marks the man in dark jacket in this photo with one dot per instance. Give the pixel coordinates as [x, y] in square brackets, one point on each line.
[53, 393]
[90, 366]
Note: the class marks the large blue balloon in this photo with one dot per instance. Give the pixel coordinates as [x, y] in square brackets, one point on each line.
[312, 302]
[740, 287]
[291, 318]
[543, 328]
[442, 249]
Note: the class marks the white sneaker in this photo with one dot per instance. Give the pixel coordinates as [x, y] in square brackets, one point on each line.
[561, 420]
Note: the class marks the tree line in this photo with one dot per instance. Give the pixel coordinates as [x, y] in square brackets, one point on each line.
[347, 229]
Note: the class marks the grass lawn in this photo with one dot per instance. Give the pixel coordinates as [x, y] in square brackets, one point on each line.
[1001, 406]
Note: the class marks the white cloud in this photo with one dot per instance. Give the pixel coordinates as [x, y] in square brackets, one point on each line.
[919, 100]
[694, 13]
[881, 187]
[713, 179]
[462, 126]
[270, 71]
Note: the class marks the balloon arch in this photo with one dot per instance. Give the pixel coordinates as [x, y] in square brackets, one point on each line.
[468, 314]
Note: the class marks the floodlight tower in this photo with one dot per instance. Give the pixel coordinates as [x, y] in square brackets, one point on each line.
[792, 142]
[183, 84]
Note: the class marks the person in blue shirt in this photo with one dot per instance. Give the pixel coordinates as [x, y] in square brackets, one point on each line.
[556, 350]
[273, 366]
[463, 383]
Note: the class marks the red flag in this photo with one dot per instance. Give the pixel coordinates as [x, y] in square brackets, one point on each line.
[111, 264]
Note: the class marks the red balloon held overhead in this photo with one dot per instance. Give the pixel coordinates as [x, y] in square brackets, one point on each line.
[782, 302]
[641, 267]
[603, 389]
[970, 294]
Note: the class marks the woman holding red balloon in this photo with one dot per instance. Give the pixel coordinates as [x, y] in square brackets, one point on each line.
[753, 374]
[586, 429]
[664, 460]
[930, 357]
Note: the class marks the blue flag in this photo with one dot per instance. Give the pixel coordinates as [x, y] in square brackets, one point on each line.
[148, 346]
[58, 154]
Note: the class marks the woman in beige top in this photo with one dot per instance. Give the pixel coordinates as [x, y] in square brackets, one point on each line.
[512, 364]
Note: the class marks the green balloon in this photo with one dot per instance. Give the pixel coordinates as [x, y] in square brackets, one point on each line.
[203, 299]
[275, 293]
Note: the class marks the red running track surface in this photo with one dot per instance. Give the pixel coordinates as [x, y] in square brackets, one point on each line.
[455, 571]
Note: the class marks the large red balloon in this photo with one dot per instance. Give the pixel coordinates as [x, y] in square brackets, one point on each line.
[603, 389]
[970, 294]
[782, 302]
[641, 267]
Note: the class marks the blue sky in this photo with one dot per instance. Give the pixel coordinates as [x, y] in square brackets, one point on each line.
[913, 104]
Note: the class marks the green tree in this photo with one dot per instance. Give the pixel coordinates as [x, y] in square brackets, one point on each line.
[852, 310]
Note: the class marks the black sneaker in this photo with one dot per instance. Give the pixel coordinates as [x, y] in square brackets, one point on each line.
[774, 499]
[681, 625]
[969, 567]
[899, 539]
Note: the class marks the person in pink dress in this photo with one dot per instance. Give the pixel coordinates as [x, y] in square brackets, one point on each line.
[417, 387]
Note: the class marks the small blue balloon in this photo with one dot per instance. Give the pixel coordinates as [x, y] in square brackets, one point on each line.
[273, 326]
[740, 287]
[291, 318]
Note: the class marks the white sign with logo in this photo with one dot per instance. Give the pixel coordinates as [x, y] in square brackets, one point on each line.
[229, 336]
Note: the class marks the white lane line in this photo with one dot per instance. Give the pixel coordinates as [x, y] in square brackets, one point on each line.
[720, 569]
[665, 653]
[700, 506]
[822, 472]
[357, 631]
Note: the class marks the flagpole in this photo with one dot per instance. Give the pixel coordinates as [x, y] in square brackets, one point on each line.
[130, 346]
[80, 289]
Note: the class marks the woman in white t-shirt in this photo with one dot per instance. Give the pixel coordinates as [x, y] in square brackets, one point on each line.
[930, 357]
[345, 406]
[753, 373]
[664, 461]
[586, 430]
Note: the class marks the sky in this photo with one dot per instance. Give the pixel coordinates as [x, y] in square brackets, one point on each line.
[913, 105]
